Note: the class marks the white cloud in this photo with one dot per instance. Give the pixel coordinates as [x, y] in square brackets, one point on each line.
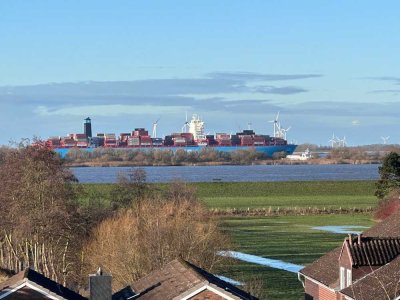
[355, 122]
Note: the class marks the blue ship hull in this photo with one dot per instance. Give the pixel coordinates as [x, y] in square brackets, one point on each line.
[267, 150]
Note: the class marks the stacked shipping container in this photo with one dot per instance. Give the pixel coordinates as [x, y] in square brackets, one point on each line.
[141, 138]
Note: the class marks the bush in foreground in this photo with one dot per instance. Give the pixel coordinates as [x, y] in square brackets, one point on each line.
[150, 234]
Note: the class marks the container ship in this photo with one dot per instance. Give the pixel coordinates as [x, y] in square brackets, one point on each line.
[191, 138]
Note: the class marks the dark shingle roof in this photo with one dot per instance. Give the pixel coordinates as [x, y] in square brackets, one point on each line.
[178, 277]
[221, 283]
[383, 283]
[373, 251]
[326, 268]
[389, 227]
[123, 294]
[42, 281]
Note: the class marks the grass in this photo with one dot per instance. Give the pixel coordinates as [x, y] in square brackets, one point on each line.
[290, 188]
[287, 238]
[331, 201]
[254, 195]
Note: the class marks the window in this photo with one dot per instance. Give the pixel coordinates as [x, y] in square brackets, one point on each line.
[349, 279]
[342, 282]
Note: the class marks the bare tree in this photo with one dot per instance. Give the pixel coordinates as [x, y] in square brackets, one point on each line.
[143, 238]
[131, 186]
[39, 217]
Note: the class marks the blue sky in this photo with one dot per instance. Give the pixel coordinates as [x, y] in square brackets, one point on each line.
[327, 66]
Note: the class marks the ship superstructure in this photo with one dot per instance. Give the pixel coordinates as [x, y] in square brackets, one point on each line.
[192, 138]
[196, 128]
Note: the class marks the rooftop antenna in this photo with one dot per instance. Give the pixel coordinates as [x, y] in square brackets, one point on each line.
[249, 126]
[385, 139]
[154, 135]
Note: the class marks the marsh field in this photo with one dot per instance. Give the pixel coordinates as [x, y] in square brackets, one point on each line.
[225, 196]
[288, 235]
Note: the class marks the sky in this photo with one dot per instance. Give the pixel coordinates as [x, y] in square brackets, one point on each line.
[328, 67]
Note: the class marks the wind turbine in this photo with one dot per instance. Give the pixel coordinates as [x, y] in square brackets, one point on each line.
[277, 126]
[385, 139]
[343, 141]
[333, 140]
[284, 131]
[154, 135]
[185, 127]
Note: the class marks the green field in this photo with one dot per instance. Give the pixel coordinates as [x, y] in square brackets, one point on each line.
[287, 238]
[255, 195]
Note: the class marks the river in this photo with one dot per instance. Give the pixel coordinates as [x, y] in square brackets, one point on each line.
[234, 173]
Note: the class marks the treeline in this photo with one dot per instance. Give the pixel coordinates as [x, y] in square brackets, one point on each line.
[44, 225]
[362, 153]
[357, 154]
[163, 157]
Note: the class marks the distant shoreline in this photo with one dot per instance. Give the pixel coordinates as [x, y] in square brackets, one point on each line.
[319, 161]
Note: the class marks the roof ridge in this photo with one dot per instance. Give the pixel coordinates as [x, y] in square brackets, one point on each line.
[36, 278]
[195, 269]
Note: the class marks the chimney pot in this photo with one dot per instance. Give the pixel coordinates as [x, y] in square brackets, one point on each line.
[350, 238]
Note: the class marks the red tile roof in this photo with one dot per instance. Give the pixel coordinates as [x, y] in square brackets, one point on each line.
[326, 268]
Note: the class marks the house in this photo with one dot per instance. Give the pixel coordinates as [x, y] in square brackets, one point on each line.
[365, 267]
[29, 284]
[176, 280]
[182, 280]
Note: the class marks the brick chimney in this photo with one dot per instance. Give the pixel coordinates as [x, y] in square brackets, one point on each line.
[100, 286]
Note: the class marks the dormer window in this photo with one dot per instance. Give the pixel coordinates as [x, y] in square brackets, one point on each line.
[345, 278]
[348, 278]
[342, 278]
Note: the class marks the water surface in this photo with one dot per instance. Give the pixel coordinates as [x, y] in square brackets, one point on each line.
[268, 262]
[234, 173]
[344, 229]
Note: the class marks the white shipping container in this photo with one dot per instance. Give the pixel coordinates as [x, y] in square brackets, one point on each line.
[180, 140]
